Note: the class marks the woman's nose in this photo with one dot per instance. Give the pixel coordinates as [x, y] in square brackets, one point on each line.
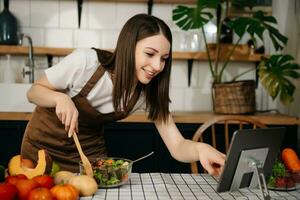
[156, 64]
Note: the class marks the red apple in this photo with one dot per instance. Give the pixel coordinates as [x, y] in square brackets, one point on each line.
[8, 191]
[44, 181]
[24, 187]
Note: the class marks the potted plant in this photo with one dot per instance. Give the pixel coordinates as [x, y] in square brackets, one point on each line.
[275, 71]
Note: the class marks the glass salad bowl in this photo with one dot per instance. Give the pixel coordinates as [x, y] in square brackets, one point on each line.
[110, 172]
[283, 179]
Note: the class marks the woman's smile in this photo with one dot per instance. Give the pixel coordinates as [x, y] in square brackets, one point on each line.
[149, 74]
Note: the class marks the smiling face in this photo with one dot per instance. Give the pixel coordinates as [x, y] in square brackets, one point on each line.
[151, 54]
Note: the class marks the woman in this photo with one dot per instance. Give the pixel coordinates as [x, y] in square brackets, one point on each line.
[92, 87]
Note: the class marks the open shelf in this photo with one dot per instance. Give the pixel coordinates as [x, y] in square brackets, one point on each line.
[52, 51]
[155, 1]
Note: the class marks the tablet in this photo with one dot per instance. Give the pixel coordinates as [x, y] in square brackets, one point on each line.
[261, 145]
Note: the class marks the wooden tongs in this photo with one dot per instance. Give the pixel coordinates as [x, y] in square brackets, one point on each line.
[85, 161]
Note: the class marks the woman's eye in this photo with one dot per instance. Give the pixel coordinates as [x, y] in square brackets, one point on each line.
[150, 54]
[164, 59]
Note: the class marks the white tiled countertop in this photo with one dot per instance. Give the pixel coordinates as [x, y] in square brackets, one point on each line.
[163, 186]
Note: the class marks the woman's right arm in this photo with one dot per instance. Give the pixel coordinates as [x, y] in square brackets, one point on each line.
[42, 93]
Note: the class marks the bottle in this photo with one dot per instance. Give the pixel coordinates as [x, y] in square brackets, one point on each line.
[8, 73]
[8, 26]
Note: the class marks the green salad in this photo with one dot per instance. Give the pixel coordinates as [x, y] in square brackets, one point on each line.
[111, 172]
[281, 177]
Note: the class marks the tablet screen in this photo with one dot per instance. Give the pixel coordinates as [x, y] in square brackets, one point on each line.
[261, 145]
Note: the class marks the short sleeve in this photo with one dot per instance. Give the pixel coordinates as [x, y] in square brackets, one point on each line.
[74, 70]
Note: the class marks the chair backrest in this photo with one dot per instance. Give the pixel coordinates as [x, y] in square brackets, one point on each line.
[225, 121]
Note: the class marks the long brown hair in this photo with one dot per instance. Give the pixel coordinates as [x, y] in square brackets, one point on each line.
[122, 63]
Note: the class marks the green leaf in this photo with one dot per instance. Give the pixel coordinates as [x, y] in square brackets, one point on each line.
[278, 169]
[257, 25]
[188, 18]
[271, 181]
[276, 74]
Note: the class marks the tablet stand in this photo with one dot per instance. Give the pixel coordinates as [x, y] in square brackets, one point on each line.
[250, 165]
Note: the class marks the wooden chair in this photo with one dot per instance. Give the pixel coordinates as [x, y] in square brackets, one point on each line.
[226, 123]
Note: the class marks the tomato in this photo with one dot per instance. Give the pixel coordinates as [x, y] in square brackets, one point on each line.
[44, 181]
[8, 191]
[24, 187]
[13, 179]
[64, 192]
[40, 193]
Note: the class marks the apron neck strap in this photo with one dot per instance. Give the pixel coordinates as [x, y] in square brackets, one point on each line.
[92, 81]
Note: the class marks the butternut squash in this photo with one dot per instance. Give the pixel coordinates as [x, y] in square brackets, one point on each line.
[86, 185]
[62, 177]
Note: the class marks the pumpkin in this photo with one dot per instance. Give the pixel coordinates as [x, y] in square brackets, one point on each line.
[64, 192]
[43, 166]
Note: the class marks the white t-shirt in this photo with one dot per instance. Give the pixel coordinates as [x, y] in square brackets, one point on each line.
[73, 72]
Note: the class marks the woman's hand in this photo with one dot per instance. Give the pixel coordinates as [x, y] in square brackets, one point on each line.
[44, 94]
[67, 113]
[211, 159]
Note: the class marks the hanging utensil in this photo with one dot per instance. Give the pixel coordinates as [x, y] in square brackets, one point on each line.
[85, 161]
[79, 9]
[8, 26]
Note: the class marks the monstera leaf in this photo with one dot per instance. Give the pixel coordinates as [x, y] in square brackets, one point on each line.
[194, 17]
[256, 26]
[276, 74]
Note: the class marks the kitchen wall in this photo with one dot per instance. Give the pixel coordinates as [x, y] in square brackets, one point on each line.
[54, 23]
[289, 23]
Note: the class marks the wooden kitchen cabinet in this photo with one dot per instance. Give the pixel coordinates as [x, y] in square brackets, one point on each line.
[11, 133]
[130, 140]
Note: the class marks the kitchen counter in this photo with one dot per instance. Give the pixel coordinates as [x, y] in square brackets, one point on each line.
[180, 186]
[179, 117]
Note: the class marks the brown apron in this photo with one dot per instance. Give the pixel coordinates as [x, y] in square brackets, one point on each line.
[45, 130]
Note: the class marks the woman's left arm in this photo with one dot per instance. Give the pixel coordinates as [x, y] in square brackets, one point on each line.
[185, 150]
